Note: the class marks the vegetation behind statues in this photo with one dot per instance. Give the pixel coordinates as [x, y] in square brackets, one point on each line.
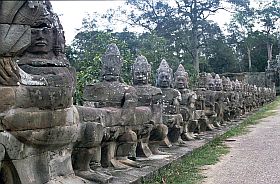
[251, 38]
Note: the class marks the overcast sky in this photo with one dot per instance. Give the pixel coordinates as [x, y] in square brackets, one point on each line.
[71, 13]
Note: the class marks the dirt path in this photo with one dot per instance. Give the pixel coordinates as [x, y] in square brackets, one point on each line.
[254, 158]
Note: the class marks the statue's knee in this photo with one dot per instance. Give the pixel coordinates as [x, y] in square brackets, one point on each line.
[163, 129]
[91, 135]
[129, 137]
[159, 132]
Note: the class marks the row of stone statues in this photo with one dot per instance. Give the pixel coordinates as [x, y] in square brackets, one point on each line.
[44, 138]
[122, 122]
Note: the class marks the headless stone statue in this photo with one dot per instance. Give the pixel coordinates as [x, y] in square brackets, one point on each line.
[38, 117]
[171, 104]
[115, 103]
[187, 104]
[149, 102]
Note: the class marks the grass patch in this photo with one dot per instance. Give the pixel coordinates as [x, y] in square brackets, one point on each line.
[188, 170]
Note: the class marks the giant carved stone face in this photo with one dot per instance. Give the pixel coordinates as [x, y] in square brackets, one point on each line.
[181, 82]
[164, 80]
[41, 40]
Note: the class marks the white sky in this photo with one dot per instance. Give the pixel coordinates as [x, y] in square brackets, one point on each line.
[71, 13]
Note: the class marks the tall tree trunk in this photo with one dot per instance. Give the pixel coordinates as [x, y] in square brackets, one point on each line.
[249, 58]
[269, 51]
[195, 44]
[196, 60]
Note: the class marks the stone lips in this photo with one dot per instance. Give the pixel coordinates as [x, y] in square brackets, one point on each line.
[16, 17]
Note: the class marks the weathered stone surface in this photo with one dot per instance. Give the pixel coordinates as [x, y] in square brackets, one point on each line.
[51, 137]
[108, 98]
[8, 11]
[21, 12]
[149, 110]
[9, 73]
[187, 103]
[39, 119]
[16, 17]
[44, 133]
[170, 100]
[14, 38]
[92, 129]
[7, 98]
[40, 124]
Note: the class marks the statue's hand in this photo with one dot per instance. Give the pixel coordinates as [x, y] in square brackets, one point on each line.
[9, 72]
[130, 101]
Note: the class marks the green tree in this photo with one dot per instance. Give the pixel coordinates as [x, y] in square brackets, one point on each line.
[268, 17]
[182, 23]
[86, 51]
[241, 30]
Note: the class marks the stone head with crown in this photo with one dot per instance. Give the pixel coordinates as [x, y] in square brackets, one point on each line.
[111, 64]
[181, 78]
[47, 35]
[164, 75]
[141, 71]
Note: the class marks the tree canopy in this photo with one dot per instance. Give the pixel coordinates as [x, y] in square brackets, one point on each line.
[181, 31]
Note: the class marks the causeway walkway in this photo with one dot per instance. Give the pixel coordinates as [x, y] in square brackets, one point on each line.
[254, 158]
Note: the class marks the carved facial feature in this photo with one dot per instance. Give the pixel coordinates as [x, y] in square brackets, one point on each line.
[164, 80]
[110, 74]
[202, 80]
[181, 82]
[227, 87]
[211, 85]
[41, 40]
[140, 77]
[218, 85]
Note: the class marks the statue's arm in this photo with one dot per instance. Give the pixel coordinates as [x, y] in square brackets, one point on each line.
[9, 72]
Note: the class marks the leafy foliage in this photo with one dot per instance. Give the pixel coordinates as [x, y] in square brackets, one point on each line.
[180, 32]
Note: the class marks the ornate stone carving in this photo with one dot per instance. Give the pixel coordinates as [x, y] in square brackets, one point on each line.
[201, 102]
[115, 103]
[39, 120]
[187, 104]
[228, 95]
[149, 102]
[210, 104]
[171, 104]
[219, 99]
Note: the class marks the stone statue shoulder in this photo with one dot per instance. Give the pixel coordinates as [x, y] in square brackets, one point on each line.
[107, 92]
[171, 94]
[147, 90]
[187, 95]
[147, 94]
